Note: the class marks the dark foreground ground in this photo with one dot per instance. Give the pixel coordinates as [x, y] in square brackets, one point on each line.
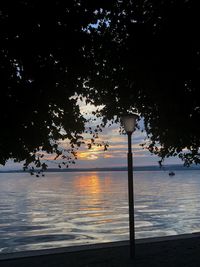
[181, 251]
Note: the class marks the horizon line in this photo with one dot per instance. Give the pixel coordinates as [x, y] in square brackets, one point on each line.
[123, 168]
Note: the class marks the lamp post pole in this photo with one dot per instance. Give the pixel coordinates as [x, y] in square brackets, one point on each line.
[129, 121]
[131, 197]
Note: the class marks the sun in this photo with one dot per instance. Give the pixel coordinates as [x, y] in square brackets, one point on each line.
[88, 155]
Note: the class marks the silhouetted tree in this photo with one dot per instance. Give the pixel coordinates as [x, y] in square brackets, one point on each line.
[42, 69]
[138, 56]
[149, 61]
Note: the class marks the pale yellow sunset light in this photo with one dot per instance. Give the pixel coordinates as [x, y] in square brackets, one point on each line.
[87, 155]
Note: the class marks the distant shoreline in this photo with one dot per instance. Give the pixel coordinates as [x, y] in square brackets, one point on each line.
[174, 167]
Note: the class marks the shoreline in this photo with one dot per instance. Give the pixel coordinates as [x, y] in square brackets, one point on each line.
[180, 250]
[168, 167]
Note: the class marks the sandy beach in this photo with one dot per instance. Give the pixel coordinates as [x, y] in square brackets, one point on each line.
[174, 251]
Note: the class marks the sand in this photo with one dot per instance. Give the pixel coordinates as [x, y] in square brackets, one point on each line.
[174, 251]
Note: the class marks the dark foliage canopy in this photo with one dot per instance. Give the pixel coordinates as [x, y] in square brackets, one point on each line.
[130, 56]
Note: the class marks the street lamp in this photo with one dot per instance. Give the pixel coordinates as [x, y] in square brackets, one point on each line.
[129, 122]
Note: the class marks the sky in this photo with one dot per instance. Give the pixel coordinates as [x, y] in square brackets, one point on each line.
[115, 156]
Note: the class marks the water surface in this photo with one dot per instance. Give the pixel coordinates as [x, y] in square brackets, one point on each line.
[67, 209]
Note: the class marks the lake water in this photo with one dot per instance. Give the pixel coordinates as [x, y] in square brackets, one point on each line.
[67, 209]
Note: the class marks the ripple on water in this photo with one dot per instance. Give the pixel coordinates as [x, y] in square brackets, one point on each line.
[139, 224]
[153, 210]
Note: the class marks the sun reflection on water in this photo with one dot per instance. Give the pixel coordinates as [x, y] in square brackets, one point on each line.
[92, 193]
[88, 184]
